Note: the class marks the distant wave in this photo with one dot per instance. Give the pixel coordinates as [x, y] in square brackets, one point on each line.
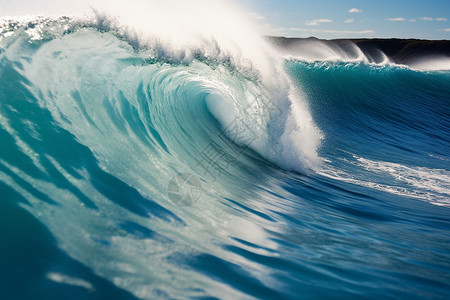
[312, 49]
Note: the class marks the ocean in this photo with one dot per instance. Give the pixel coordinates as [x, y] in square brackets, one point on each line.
[135, 166]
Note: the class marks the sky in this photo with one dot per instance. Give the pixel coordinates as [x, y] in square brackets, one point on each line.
[326, 18]
[352, 18]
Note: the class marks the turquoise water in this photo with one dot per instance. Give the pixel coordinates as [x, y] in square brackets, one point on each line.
[128, 173]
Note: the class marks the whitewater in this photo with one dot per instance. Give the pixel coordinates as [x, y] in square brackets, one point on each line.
[159, 150]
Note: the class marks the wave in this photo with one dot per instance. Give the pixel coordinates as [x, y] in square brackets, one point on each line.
[113, 122]
[181, 96]
[210, 70]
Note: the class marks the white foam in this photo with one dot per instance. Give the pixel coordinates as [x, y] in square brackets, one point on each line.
[221, 109]
[61, 278]
[431, 63]
[313, 50]
[431, 185]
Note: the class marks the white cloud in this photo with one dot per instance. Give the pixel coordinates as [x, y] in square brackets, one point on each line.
[395, 19]
[297, 29]
[354, 10]
[275, 30]
[340, 32]
[349, 21]
[412, 20]
[445, 29]
[317, 22]
[441, 19]
[256, 16]
[324, 21]
[283, 31]
[426, 19]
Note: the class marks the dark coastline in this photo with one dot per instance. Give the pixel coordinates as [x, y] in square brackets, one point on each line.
[398, 50]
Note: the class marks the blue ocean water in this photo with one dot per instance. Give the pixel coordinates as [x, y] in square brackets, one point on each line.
[134, 172]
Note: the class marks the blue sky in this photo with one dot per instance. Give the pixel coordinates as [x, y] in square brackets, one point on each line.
[353, 18]
[321, 18]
